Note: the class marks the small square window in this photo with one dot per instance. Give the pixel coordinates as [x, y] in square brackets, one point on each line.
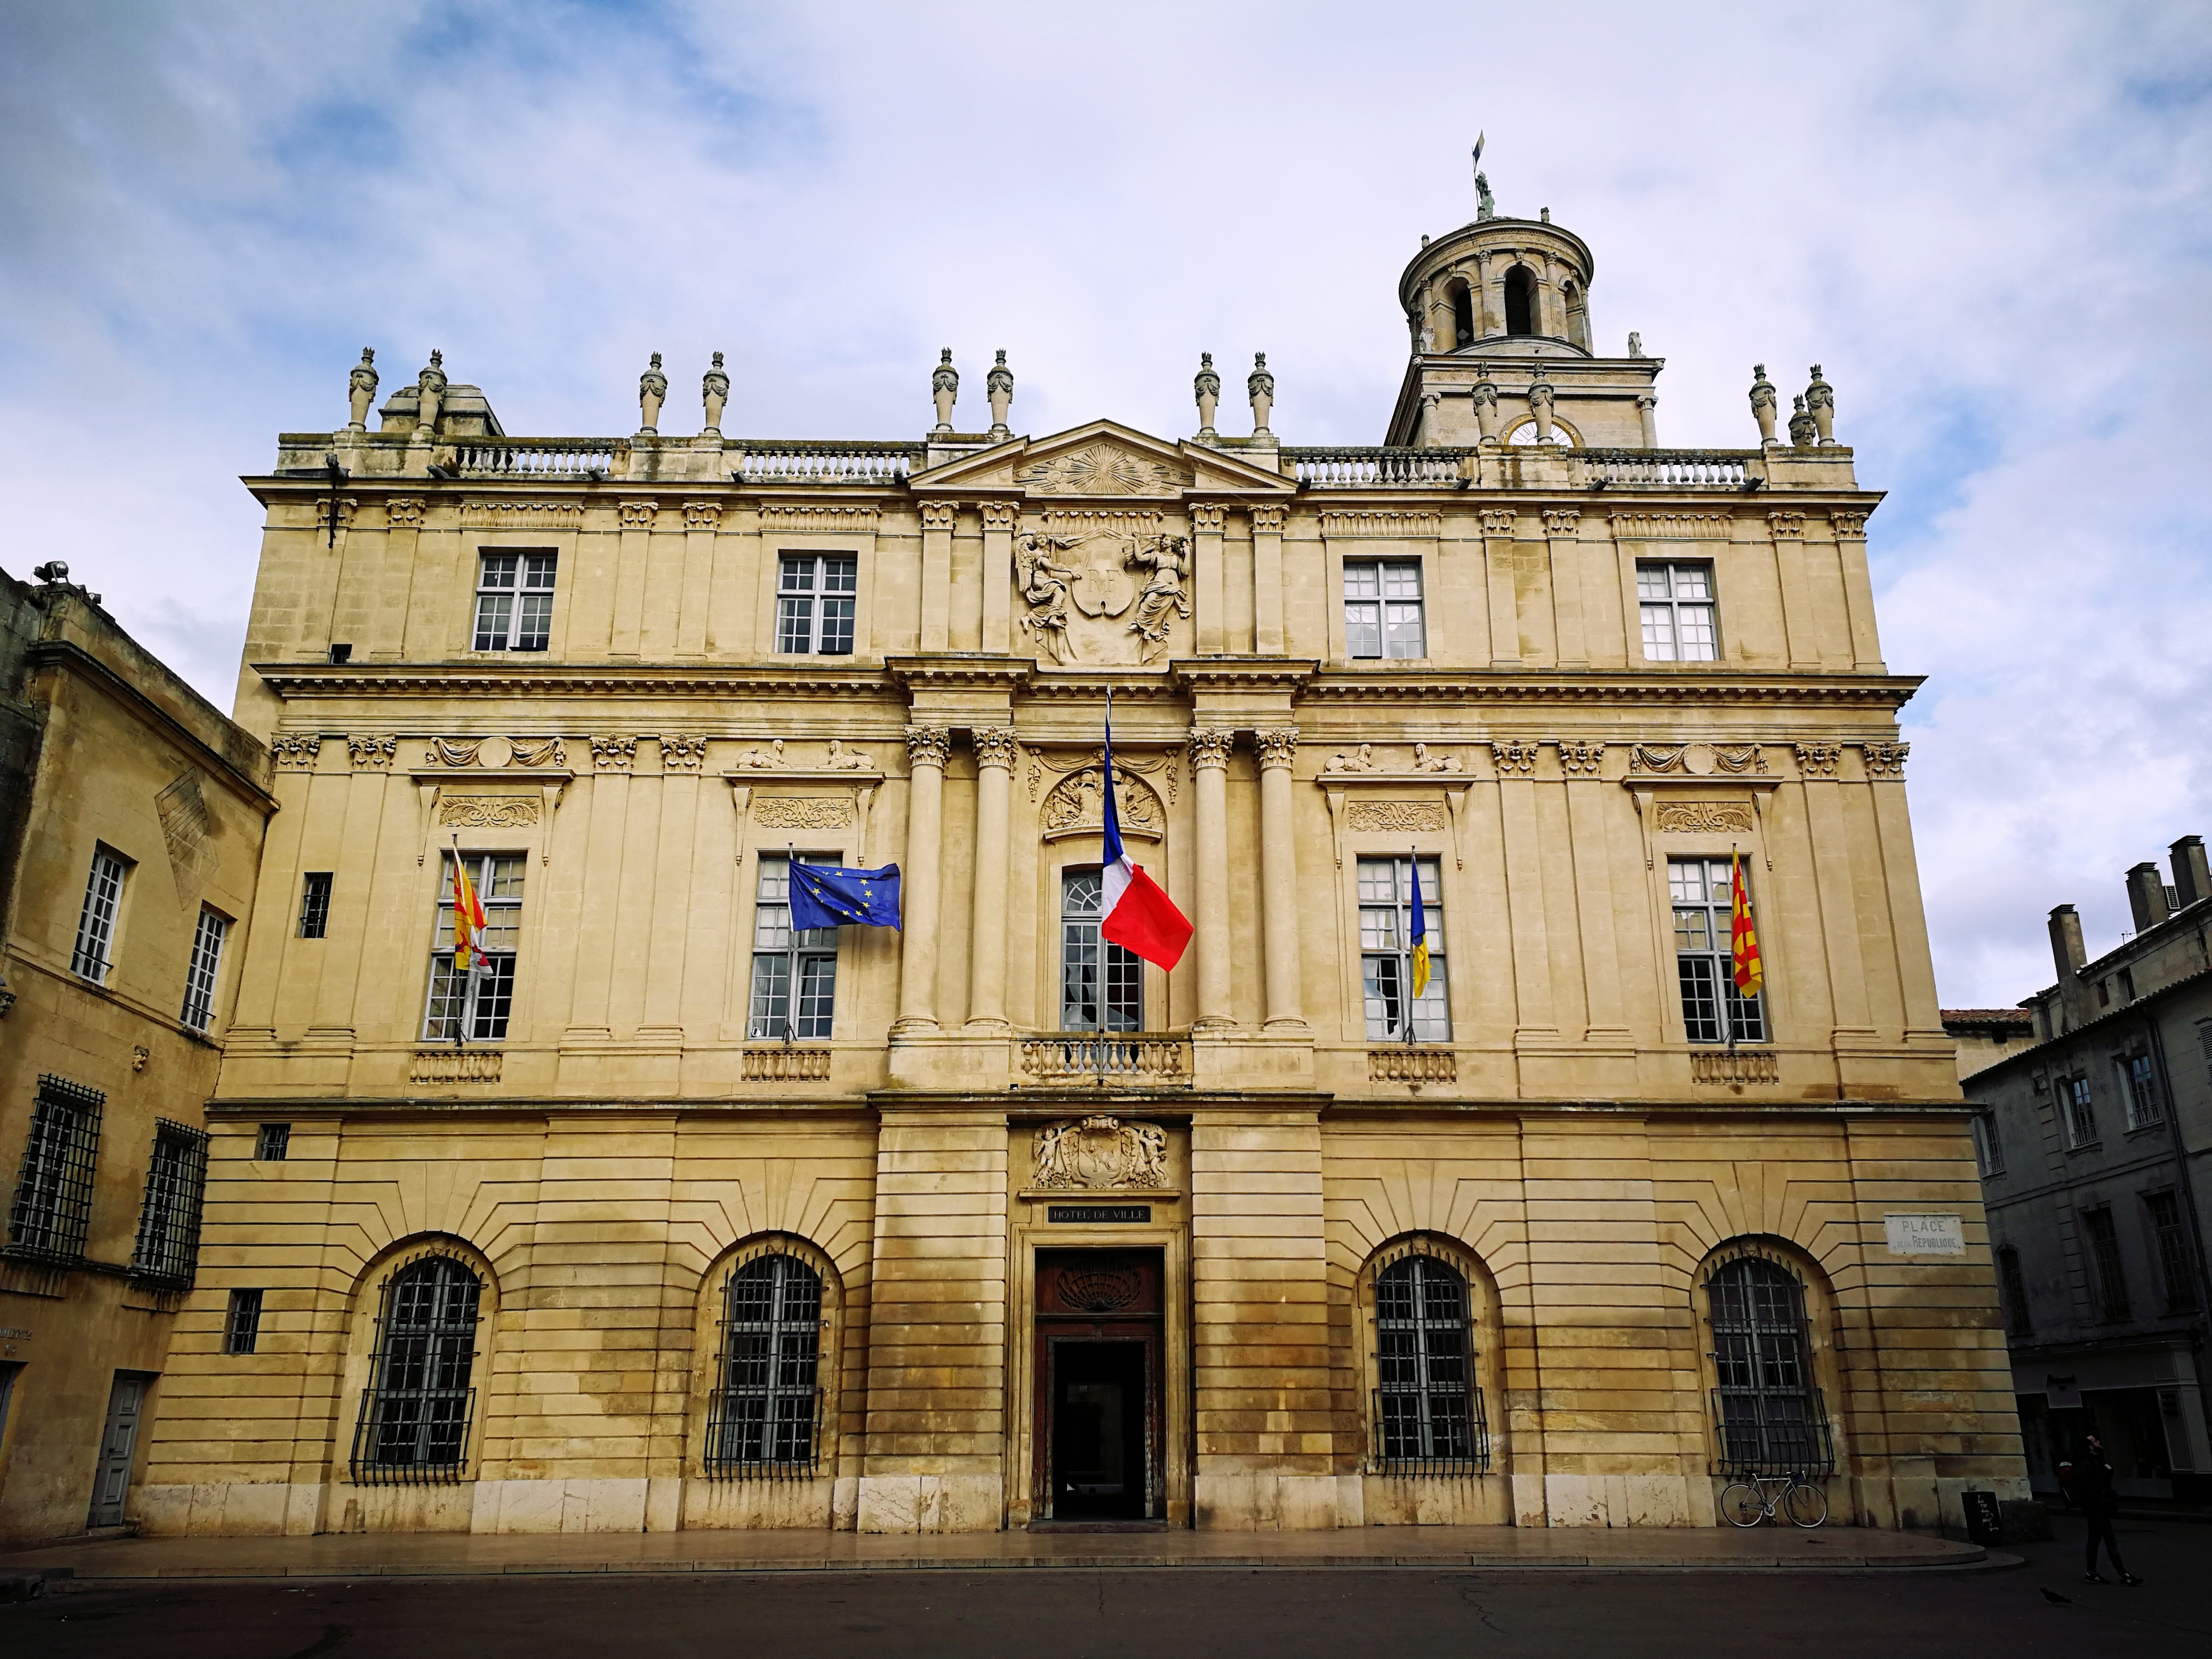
[276, 1140]
[816, 593]
[241, 1329]
[1680, 621]
[514, 601]
[1382, 613]
[314, 903]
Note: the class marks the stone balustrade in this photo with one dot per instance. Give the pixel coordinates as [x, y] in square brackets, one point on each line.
[1365, 467]
[781, 1065]
[1135, 1059]
[825, 462]
[1669, 469]
[538, 457]
[1412, 1063]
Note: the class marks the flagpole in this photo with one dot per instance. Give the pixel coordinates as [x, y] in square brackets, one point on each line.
[1728, 981]
[1406, 963]
[1098, 989]
[461, 1014]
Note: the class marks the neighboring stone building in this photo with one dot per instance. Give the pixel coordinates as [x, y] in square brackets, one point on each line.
[1986, 1035]
[2092, 1141]
[675, 1220]
[131, 820]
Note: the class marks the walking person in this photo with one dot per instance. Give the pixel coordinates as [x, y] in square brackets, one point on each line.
[2100, 1502]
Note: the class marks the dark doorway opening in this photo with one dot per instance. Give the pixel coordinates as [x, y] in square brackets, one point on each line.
[1098, 1441]
[1098, 1451]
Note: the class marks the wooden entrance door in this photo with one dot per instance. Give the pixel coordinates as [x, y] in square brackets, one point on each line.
[1099, 1387]
[111, 1485]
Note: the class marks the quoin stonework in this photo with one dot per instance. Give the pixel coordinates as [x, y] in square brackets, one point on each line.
[672, 1217]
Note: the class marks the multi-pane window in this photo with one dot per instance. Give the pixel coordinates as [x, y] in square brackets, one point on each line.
[2176, 1259]
[95, 927]
[1678, 618]
[1386, 951]
[1102, 984]
[168, 1247]
[1428, 1408]
[276, 1139]
[2014, 1290]
[1988, 1150]
[414, 1422]
[765, 1418]
[474, 1006]
[1766, 1408]
[2081, 1114]
[1713, 1010]
[241, 1324]
[814, 598]
[2108, 1278]
[1382, 609]
[2141, 1091]
[514, 601]
[314, 904]
[795, 973]
[52, 1211]
[198, 1012]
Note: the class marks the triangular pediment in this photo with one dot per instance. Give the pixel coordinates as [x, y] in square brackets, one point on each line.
[1104, 459]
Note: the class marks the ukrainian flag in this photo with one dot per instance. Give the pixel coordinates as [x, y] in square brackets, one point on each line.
[1420, 942]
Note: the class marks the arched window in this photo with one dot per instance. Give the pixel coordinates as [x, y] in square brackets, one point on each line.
[764, 1420]
[1428, 1408]
[1577, 309]
[414, 1424]
[1520, 301]
[1463, 314]
[1102, 984]
[1766, 1407]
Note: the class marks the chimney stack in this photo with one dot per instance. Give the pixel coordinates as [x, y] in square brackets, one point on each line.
[2068, 953]
[2146, 896]
[2192, 880]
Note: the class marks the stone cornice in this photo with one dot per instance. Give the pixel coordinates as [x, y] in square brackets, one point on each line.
[306, 680]
[1243, 673]
[70, 657]
[1546, 685]
[962, 672]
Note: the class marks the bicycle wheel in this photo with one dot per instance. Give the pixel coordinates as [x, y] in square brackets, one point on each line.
[1740, 1504]
[1806, 1506]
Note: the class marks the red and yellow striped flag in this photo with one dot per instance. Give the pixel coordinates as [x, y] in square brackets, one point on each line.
[1743, 936]
[468, 918]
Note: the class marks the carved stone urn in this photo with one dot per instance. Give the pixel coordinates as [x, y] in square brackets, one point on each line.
[1762, 403]
[1803, 429]
[1486, 407]
[714, 392]
[430, 392]
[999, 383]
[652, 392]
[945, 388]
[1259, 387]
[1207, 384]
[361, 392]
[1540, 406]
[1820, 405]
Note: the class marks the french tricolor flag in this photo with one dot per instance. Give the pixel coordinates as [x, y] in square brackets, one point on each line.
[1134, 914]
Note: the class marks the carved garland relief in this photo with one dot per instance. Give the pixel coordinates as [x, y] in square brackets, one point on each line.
[1705, 817]
[488, 811]
[1097, 1152]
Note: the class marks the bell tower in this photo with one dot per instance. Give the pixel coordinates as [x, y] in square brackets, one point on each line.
[1503, 350]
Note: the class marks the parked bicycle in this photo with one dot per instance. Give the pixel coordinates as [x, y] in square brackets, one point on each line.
[1747, 1503]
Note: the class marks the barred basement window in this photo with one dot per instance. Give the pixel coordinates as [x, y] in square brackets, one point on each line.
[168, 1247]
[815, 597]
[1386, 950]
[476, 1006]
[314, 903]
[275, 1141]
[1428, 1408]
[1766, 1408]
[2109, 1280]
[1102, 984]
[1713, 1010]
[2176, 1260]
[1382, 615]
[52, 1211]
[515, 602]
[2014, 1290]
[95, 927]
[200, 974]
[783, 959]
[241, 1326]
[765, 1418]
[413, 1429]
[1679, 619]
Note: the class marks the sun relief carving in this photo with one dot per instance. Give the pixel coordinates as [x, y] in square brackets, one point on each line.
[1103, 469]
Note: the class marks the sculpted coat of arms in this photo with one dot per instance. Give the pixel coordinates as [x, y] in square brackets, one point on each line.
[1102, 1152]
[1105, 578]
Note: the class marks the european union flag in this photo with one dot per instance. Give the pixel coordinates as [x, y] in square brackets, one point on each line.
[825, 897]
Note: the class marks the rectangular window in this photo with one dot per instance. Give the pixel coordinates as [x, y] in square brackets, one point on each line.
[168, 1247]
[1386, 951]
[2081, 1114]
[2014, 1289]
[1713, 1010]
[1680, 621]
[198, 1012]
[514, 601]
[474, 1007]
[2142, 1090]
[314, 903]
[783, 960]
[52, 1211]
[814, 599]
[95, 927]
[2176, 1259]
[241, 1326]
[2107, 1278]
[1382, 609]
[276, 1140]
[1988, 1150]
[1102, 984]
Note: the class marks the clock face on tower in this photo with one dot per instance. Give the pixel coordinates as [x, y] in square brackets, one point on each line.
[1526, 434]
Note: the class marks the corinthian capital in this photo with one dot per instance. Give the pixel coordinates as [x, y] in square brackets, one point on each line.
[1209, 750]
[928, 745]
[995, 746]
[1278, 748]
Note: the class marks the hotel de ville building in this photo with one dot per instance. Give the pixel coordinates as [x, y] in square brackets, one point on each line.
[669, 1215]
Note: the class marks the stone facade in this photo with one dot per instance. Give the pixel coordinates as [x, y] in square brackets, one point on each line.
[990, 1203]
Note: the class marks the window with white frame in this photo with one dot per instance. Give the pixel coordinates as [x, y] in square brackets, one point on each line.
[1988, 1150]
[2136, 1077]
[514, 601]
[96, 929]
[474, 1006]
[168, 1247]
[2080, 1112]
[52, 1211]
[815, 593]
[202, 971]
[1386, 951]
[1680, 621]
[794, 972]
[1382, 609]
[1102, 984]
[1713, 1010]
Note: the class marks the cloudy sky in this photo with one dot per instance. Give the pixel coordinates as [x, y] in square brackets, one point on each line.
[1989, 223]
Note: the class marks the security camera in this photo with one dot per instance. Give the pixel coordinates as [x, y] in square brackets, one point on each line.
[52, 571]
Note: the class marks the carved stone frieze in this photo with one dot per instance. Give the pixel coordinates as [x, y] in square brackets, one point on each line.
[1579, 760]
[842, 759]
[763, 760]
[1670, 526]
[1817, 760]
[455, 751]
[637, 515]
[1786, 526]
[681, 754]
[295, 754]
[1497, 520]
[1165, 768]
[1511, 758]
[1848, 524]
[405, 512]
[488, 811]
[1885, 760]
[1560, 524]
[1075, 804]
[1103, 469]
[1402, 816]
[372, 753]
[522, 515]
[803, 812]
[842, 518]
[1658, 757]
[1739, 757]
[1267, 521]
[1209, 750]
[1705, 817]
[1379, 523]
[926, 746]
[1102, 1153]
[613, 754]
[938, 515]
[701, 515]
[536, 751]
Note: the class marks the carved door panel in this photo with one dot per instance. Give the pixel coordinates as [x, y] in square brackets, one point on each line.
[1099, 1387]
[112, 1484]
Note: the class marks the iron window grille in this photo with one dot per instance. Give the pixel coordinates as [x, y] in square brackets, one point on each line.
[2080, 1112]
[785, 961]
[275, 1141]
[1383, 610]
[95, 927]
[52, 1211]
[1386, 951]
[2175, 1264]
[1102, 984]
[514, 601]
[2110, 1283]
[1713, 1010]
[815, 596]
[764, 1417]
[413, 1429]
[1767, 1410]
[2143, 1109]
[1428, 1410]
[476, 1006]
[314, 903]
[201, 973]
[1989, 1149]
[2014, 1288]
[241, 1326]
[168, 1247]
[1681, 621]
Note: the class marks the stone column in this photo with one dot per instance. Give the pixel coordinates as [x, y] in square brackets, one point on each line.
[1209, 761]
[1563, 540]
[1207, 521]
[1504, 598]
[1850, 532]
[937, 574]
[996, 752]
[1279, 878]
[1647, 407]
[1267, 580]
[999, 521]
[925, 747]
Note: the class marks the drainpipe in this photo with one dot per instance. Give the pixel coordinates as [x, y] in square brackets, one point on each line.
[2188, 1199]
